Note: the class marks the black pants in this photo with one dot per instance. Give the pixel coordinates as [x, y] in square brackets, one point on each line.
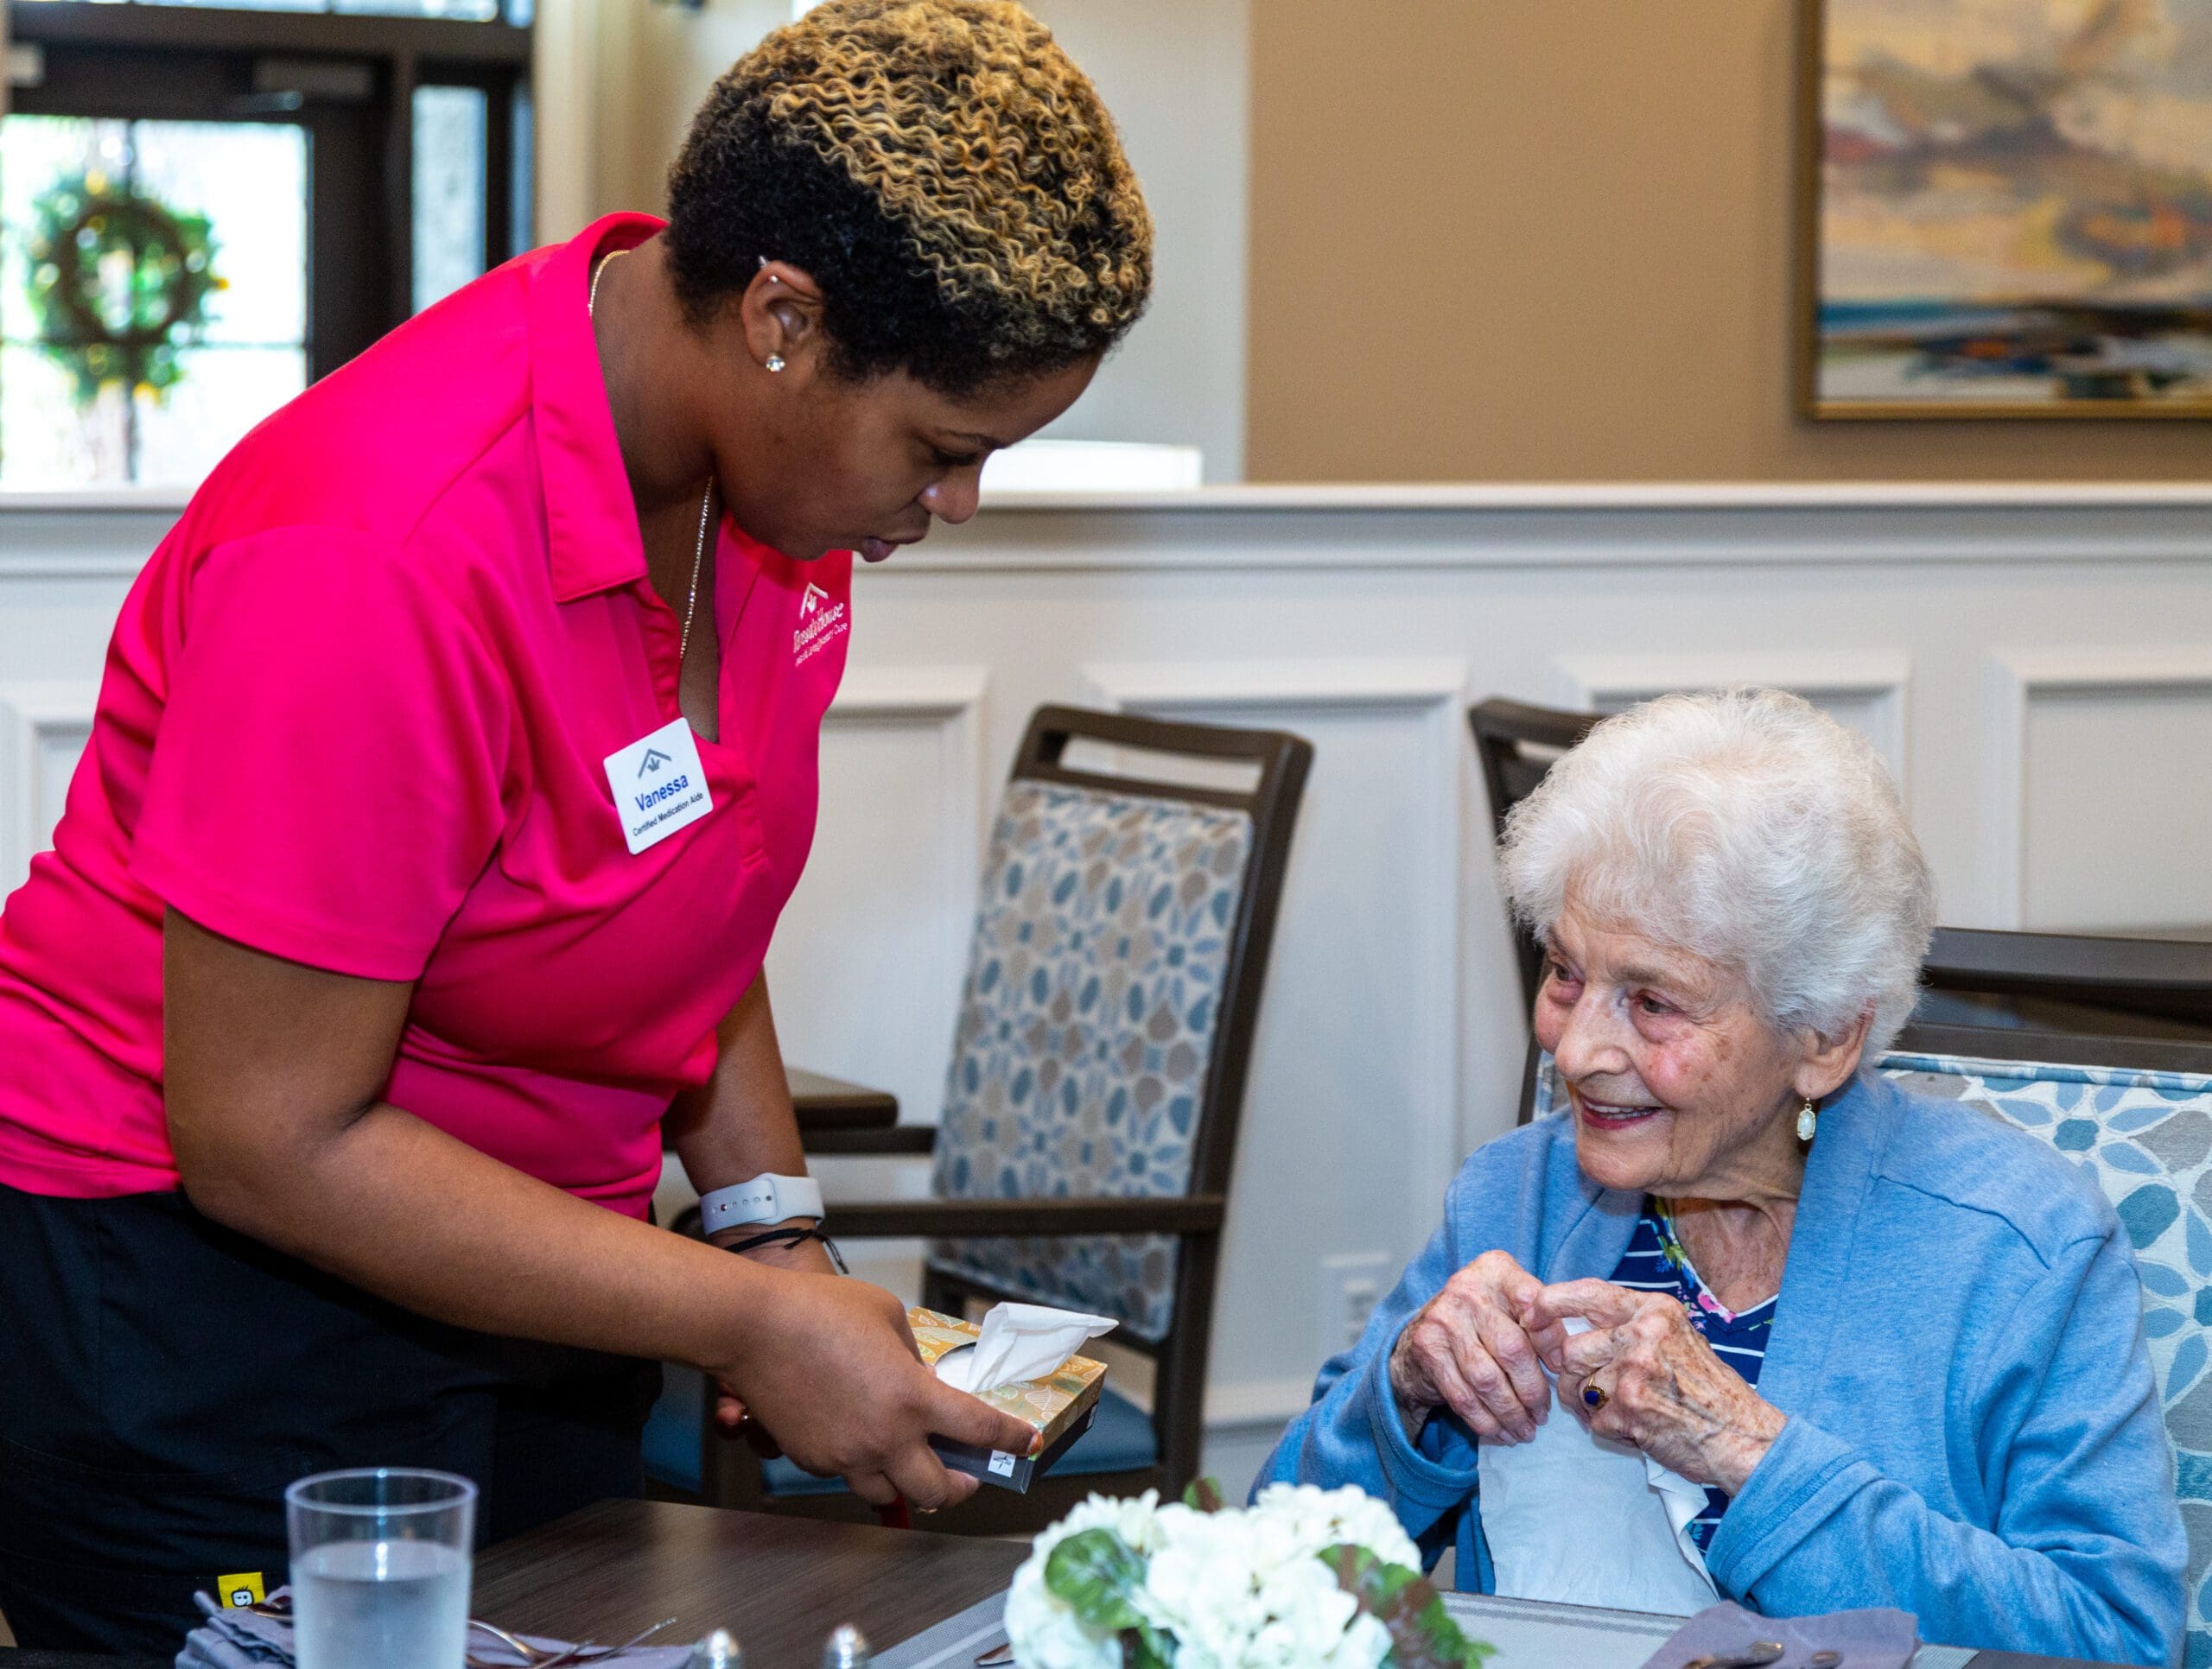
[162, 1379]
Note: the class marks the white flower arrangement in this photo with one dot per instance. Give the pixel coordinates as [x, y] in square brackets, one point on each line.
[1304, 1578]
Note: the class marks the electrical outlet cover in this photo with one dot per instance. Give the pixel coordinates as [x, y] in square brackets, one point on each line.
[1352, 1284]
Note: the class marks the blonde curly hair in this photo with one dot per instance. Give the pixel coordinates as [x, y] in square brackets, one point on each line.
[933, 164]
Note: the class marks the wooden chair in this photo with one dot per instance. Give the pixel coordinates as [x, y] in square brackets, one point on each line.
[1516, 744]
[1097, 1077]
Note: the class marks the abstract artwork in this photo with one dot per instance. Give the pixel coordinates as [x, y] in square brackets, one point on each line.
[2009, 208]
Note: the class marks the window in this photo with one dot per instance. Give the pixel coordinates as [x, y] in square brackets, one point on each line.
[204, 208]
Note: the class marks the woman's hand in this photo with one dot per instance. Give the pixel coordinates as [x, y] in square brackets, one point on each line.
[1469, 1351]
[807, 1257]
[1663, 1389]
[827, 1365]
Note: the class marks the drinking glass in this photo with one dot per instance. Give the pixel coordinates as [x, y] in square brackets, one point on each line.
[380, 1568]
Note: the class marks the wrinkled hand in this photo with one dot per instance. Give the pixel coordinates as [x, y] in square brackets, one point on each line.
[809, 1257]
[828, 1366]
[1467, 1350]
[1666, 1391]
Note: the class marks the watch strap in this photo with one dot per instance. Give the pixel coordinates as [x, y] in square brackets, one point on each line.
[768, 1198]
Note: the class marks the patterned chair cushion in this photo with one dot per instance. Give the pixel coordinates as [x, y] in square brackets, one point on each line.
[1086, 1030]
[2147, 1137]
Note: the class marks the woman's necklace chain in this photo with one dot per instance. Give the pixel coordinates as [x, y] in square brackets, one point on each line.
[706, 503]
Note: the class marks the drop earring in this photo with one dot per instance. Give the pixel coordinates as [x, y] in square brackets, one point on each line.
[775, 362]
[1808, 1121]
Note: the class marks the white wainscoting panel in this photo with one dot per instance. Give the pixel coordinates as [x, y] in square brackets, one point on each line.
[897, 853]
[896, 856]
[1360, 1021]
[43, 729]
[1991, 640]
[2101, 799]
[1868, 690]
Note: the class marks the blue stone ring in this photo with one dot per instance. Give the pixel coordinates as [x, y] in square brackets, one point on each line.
[1592, 1397]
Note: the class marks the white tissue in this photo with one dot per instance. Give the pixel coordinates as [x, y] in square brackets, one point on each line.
[1019, 1341]
[1578, 1519]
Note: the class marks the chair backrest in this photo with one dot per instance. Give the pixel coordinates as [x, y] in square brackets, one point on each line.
[2143, 1131]
[1516, 744]
[1105, 1028]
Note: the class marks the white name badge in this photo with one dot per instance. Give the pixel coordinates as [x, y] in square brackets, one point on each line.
[659, 786]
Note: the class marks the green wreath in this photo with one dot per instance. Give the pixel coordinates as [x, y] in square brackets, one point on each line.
[77, 225]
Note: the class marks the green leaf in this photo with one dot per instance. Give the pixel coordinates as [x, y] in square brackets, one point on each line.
[1145, 1648]
[1202, 1496]
[1422, 1634]
[1096, 1572]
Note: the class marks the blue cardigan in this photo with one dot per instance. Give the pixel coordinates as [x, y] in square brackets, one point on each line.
[1971, 1432]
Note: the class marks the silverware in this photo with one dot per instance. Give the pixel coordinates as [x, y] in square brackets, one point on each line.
[586, 1653]
[533, 1657]
[521, 1648]
[997, 1656]
[1757, 1652]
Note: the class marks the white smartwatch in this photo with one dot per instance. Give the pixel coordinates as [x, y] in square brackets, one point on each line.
[768, 1198]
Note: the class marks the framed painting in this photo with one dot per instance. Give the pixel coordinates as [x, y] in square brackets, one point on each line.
[2007, 208]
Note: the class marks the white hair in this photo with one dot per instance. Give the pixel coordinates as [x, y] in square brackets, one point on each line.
[1747, 827]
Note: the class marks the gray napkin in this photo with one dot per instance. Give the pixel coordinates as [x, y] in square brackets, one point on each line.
[1868, 1640]
[247, 1640]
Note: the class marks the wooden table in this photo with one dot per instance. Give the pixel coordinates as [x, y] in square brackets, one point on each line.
[837, 1117]
[780, 1584]
[824, 1103]
[832, 1112]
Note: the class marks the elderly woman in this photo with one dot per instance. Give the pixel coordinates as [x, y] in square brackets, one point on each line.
[1898, 1346]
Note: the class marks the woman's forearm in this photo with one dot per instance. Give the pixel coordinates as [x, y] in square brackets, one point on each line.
[403, 1210]
[274, 1078]
[739, 1122]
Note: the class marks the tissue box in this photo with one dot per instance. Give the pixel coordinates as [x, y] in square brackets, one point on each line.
[1061, 1407]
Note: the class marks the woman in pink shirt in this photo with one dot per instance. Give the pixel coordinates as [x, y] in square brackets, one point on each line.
[454, 757]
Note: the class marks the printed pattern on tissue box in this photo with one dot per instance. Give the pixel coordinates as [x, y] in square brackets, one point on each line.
[1060, 1406]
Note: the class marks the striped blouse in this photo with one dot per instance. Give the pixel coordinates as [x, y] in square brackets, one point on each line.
[1656, 1262]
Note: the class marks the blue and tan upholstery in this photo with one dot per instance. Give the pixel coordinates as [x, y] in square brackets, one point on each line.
[1085, 1032]
[1079, 1059]
[2147, 1137]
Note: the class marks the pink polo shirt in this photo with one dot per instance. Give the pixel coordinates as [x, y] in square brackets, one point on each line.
[356, 713]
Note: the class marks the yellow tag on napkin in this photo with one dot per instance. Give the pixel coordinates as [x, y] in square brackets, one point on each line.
[243, 1588]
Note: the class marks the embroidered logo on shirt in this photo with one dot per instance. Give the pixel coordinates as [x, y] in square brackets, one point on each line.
[822, 620]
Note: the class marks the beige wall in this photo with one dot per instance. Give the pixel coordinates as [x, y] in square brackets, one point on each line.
[1173, 74]
[1552, 240]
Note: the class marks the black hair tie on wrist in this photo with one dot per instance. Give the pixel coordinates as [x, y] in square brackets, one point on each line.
[791, 1235]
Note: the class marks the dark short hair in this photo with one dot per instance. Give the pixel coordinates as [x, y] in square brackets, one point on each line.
[941, 169]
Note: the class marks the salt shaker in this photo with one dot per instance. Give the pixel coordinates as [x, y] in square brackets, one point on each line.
[720, 1650]
[846, 1649]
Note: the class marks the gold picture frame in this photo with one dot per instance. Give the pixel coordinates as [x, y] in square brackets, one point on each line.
[2003, 210]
